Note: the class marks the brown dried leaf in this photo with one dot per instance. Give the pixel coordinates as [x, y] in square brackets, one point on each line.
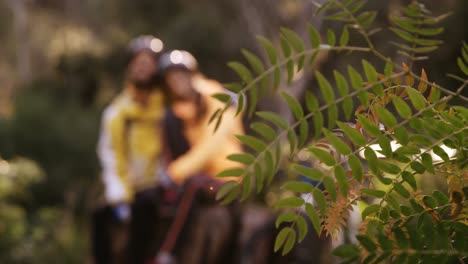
[422, 87]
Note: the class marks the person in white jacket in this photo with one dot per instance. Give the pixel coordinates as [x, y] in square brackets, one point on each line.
[129, 151]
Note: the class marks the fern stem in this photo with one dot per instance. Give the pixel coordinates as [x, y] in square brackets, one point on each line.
[360, 28]
[457, 93]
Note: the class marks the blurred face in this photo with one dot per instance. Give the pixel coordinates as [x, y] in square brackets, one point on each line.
[142, 69]
[179, 83]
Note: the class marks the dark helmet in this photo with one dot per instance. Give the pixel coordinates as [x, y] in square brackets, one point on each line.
[179, 59]
[145, 42]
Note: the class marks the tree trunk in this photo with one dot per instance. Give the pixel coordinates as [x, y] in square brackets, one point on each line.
[19, 9]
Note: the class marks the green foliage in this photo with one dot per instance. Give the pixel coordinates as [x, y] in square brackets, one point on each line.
[21, 241]
[403, 128]
[37, 224]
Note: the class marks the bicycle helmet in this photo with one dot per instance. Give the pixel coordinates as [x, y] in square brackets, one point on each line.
[179, 59]
[145, 42]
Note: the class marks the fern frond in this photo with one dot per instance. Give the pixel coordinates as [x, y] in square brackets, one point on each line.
[417, 29]
[338, 212]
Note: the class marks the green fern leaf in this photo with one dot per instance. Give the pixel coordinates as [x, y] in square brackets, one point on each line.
[264, 130]
[388, 70]
[463, 67]
[314, 36]
[286, 239]
[312, 105]
[254, 61]
[310, 173]
[243, 158]
[339, 145]
[427, 162]
[259, 177]
[234, 172]
[340, 175]
[270, 166]
[340, 16]
[332, 115]
[402, 108]
[246, 186]
[331, 38]
[292, 139]
[320, 200]
[287, 217]
[269, 48]
[253, 99]
[373, 193]
[356, 137]
[233, 87]
[367, 243]
[401, 190]
[369, 210]
[291, 202]
[252, 142]
[240, 104]
[343, 89]
[386, 147]
[356, 83]
[294, 105]
[226, 189]
[285, 47]
[347, 251]
[371, 75]
[330, 187]
[313, 216]
[301, 227]
[356, 167]
[294, 39]
[387, 118]
[440, 197]
[372, 161]
[323, 155]
[243, 72]
[303, 133]
[357, 6]
[276, 78]
[326, 88]
[418, 101]
[344, 39]
[393, 202]
[298, 186]
[274, 118]
[222, 97]
[371, 128]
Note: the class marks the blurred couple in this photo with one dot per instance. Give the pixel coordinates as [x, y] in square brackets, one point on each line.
[159, 156]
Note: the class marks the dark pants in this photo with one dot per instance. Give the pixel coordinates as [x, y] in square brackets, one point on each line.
[143, 234]
[103, 221]
[137, 240]
[109, 237]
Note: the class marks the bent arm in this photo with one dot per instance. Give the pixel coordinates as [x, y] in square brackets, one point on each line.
[200, 154]
[112, 153]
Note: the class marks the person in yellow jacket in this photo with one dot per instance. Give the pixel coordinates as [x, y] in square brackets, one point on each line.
[195, 154]
[190, 94]
[129, 150]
